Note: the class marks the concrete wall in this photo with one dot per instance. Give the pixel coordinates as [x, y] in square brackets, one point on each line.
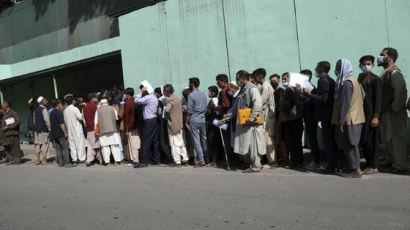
[202, 38]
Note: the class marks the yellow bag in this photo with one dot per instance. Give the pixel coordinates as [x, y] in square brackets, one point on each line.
[244, 114]
[97, 130]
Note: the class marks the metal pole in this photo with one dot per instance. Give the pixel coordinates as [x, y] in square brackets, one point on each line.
[55, 86]
[223, 145]
[1, 96]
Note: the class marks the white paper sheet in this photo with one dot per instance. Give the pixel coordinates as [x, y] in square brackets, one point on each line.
[297, 78]
[148, 85]
[10, 121]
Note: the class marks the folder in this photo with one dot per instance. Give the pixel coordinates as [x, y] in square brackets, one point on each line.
[244, 114]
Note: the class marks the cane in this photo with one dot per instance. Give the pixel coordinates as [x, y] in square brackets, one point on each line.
[223, 144]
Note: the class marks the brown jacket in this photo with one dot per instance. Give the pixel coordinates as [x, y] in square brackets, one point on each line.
[355, 115]
[174, 113]
[13, 129]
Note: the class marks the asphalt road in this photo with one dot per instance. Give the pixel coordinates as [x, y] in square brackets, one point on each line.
[48, 197]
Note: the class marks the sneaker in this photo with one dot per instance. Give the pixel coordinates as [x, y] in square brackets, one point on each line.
[267, 166]
[173, 165]
[140, 166]
[70, 166]
[313, 165]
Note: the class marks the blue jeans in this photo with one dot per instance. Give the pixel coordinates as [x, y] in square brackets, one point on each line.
[198, 133]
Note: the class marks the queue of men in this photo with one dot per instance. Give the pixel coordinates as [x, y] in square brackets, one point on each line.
[251, 123]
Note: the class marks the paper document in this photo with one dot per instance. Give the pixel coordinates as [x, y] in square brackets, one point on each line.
[297, 78]
[148, 85]
[10, 121]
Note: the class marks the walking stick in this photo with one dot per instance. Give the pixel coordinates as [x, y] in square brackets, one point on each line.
[223, 144]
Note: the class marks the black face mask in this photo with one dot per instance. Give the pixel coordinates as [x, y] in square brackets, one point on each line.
[274, 84]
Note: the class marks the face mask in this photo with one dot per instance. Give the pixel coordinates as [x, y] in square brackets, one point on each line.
[230, 93]
[317, 75]
[337, 73]
[285, 84]
[239, 84]
[366, 68]
[274, 84]
[380, 60]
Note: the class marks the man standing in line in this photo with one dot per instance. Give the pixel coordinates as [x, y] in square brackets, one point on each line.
[323, 100]
[131, 126]
[281, 146]
[348, 115]
[195, 121]
[10, 124]
[250, 137]
[150, 130]
[76, 139]
[290, 109]
[59, 135]
[106, 117]
[93, 142]
[268, 113]
[393, 116]
[372, 87]
[42, 128]
[175, 125]
[224, 103]
[308, 113]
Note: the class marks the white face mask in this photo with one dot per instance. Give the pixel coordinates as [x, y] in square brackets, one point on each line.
[380, 60]
[366, 68]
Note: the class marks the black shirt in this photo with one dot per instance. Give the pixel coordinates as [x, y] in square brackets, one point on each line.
[56, 118]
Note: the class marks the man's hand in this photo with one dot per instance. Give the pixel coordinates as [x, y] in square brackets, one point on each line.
[65, 135]
[375, 122]
[221, 122]
[143, 90]
[306, 91]
[187, 127]
[5, 128]
[298, 87]
[341, 128]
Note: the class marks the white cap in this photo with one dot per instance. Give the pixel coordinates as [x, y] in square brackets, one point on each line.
[39, 99]
[103, 101]
[234, 84]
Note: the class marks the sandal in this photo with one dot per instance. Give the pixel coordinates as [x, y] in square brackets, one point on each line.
[251, 170]
[369, 171]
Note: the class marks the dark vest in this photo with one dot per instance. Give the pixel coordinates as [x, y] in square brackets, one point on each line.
[40, 123]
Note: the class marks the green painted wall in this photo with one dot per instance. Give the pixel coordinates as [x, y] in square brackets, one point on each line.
[202, 38]
[181, 39]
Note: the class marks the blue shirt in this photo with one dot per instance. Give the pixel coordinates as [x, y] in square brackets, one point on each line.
[197, 106]
[56, 119]
[150, 103]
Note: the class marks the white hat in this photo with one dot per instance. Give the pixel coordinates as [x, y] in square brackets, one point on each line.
[103, 101]
[234, 84]
[39, 99]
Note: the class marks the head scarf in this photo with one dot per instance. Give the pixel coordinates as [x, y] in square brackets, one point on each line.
[345, 71]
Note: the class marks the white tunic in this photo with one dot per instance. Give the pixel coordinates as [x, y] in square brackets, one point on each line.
[72, 118]
[111, 138]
